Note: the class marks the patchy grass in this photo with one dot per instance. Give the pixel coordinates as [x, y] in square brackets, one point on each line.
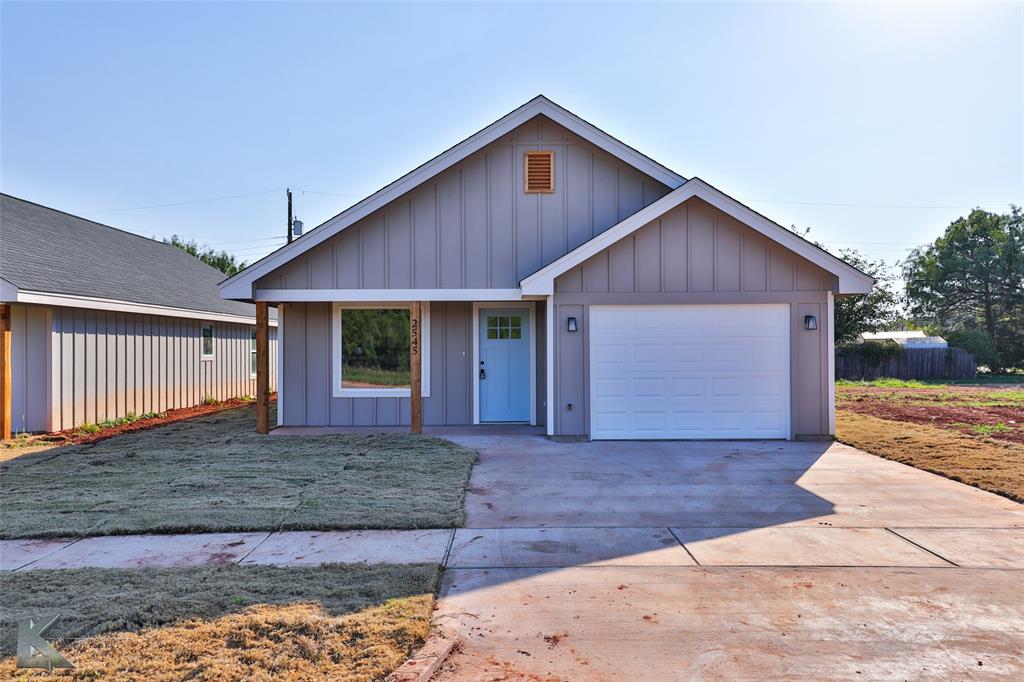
[973, 459]
[336, 621]
[213, 473]
[882, 383]
[992, 411]
[980, 380]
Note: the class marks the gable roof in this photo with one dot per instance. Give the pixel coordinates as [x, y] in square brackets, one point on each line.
[240, 286]
[46, 253]
[851, 280]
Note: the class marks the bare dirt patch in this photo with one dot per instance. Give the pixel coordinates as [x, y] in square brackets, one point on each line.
[996, 466]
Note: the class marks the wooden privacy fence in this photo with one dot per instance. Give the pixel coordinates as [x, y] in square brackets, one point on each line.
[919, 363]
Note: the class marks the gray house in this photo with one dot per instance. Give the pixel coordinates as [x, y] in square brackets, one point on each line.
[565, 280]
[98, 322]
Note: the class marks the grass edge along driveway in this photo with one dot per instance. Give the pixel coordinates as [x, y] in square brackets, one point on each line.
[910, 422]
[334, 621]
[215, 474]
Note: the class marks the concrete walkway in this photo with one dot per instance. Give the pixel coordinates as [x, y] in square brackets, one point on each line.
[678, 561]
[293, 548]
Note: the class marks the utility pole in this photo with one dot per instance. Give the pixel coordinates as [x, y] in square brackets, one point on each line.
[289, 216]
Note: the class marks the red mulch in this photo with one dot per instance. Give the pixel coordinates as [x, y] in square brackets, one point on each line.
[73, 437]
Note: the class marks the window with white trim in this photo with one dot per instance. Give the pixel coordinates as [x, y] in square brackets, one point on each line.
[370, 350]
[252, 352]
[207, 341]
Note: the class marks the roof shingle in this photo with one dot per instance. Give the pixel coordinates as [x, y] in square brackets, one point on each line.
[46, 250]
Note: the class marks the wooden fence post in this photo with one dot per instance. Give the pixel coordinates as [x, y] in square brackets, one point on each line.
[415, 368]
[262, 367]
[5, 372]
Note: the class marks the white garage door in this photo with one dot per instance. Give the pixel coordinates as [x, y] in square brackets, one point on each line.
[689, 371]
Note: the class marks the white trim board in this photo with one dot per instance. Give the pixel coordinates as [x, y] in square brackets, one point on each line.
[851, 280]
[336, 389]
[549, 365]
[240, 286]
[73, 301]
[384, 295]
[475, 367]
[831, 358]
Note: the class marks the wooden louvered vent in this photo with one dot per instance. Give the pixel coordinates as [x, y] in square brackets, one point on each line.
[540, 172]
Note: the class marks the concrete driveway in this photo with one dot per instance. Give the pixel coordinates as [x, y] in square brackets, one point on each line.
[665, 561]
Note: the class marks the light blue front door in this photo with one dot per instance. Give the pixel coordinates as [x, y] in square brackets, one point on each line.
[504, 371]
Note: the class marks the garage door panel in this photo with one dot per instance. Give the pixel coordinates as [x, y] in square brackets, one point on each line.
[649, 388]
[689, 371]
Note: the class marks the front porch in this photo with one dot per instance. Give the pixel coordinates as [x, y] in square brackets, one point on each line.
[442, 367]
[438, 431]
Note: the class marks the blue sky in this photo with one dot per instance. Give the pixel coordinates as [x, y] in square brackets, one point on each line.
[873, 124]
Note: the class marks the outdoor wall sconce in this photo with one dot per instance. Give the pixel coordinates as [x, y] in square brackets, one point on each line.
[572, 324]
[810, 323]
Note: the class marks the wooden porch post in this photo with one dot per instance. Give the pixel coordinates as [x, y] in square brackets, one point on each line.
[262, 368]
[5, 372]
[415, 369]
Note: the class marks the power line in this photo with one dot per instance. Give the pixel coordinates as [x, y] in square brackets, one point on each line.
[184, 203]
[856, 205]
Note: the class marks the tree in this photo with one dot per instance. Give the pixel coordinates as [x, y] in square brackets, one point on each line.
[972, 277]
[869, 312]
[222, 260]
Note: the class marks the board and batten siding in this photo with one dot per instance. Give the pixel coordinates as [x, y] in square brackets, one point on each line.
[103, 365]
[30, 365]
[306, 396]
[473, 226]
[695, 254]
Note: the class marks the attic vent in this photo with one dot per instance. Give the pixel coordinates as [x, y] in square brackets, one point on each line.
[540, 172]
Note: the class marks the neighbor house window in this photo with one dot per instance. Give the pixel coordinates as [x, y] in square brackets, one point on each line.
[252, 352]
[207, 341]
[371, 351]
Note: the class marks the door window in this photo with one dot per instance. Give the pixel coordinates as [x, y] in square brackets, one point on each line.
[504, 327]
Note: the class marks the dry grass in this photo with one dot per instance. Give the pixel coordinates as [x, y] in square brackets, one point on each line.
[987, 464]
[214, 473]
[338, 622]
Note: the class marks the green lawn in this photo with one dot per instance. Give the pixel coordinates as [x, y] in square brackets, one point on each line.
[215, 473]
[334, 621]
[981, 380]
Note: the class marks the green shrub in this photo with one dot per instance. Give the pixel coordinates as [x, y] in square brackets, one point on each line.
[873, 353]
[976, 342]
[210, 400]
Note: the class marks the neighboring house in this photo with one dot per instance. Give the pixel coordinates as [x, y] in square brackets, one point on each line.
[567, 280]
[908, 339]
[103, 322]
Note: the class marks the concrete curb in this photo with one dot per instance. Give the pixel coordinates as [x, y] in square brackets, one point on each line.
[425, 662]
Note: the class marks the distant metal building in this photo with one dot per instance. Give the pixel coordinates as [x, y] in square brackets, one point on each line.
[99, 323]
[910, 340]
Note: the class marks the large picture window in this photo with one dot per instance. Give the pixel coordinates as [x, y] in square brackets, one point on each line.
[371, 351]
